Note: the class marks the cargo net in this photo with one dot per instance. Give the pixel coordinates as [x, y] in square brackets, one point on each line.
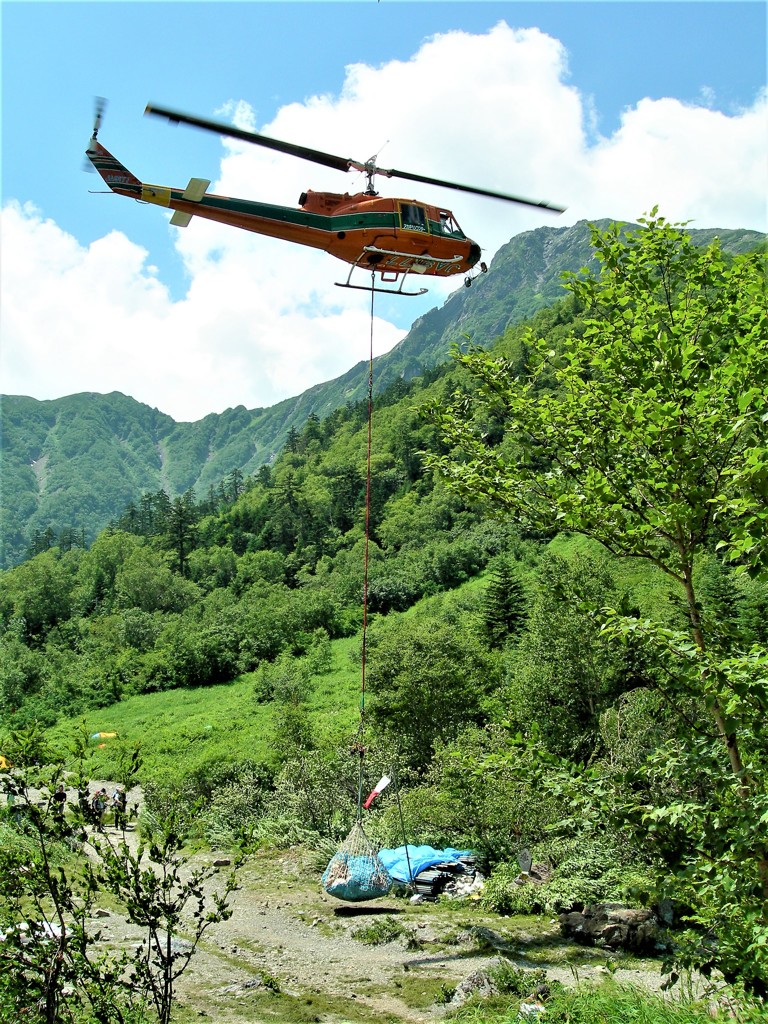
[355, 873]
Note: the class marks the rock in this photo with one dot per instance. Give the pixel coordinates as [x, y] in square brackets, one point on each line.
[618, 927]
[487, 938]
[665, 909]
[99, 912]
[243, 987]
[478, 983]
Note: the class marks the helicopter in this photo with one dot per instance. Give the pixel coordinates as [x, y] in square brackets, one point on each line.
[388, 237]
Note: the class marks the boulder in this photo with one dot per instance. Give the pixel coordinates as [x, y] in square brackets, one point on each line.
[609, 924]
[479, 983]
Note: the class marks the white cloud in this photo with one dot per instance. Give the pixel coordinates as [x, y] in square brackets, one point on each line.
[696, 164]
[262, 319]
[96, 318]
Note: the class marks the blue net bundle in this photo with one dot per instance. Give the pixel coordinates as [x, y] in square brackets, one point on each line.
[355, 873]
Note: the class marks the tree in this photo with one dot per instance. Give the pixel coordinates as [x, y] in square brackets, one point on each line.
[312, 432]
[181, 520]
[56, 968]
[165, 897]
[99, 568]
[563, 673]
[504, 604]
[293, 441]
[646, 430]
[427, 680]
[22, 673]
[145, 581]
[153, 513]
[235, 484]
[39, 592]
[347, 496]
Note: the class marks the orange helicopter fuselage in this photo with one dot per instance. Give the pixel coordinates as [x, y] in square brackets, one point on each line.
[388, 235]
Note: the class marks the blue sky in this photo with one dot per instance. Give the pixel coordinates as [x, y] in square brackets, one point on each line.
[611, 85]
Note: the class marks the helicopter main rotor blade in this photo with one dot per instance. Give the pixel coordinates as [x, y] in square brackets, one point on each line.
[338, 163]
[538, 203]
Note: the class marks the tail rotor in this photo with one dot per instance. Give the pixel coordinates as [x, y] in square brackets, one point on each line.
[99, 106]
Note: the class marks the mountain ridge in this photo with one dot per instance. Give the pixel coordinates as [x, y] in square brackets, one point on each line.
[76, 462]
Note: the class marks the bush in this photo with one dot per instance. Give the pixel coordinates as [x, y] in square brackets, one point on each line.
[219, 801]
[517, 981]
[234, 811]
[487, 803]
[427, 681]
[585, 871]
[379, 932]
[280, 833]
[318, 789]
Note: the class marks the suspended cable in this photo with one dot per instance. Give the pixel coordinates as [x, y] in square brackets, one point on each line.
[355, 872]
[359, 745]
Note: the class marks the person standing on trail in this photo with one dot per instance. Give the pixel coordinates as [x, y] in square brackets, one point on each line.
[98, 805]
[119, 802]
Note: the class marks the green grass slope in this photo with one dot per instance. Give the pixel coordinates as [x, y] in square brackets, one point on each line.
[183, 732]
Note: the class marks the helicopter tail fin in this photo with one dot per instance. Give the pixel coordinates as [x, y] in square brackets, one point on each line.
[118, 177]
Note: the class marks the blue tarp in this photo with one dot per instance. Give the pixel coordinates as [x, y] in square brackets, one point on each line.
[420, 857]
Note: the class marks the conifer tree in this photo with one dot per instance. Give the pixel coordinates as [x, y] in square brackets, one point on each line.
[504, 607]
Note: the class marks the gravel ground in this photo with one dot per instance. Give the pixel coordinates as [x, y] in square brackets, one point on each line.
[288, 951]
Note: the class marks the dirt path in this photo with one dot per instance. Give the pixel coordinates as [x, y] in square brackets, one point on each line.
[288, 953]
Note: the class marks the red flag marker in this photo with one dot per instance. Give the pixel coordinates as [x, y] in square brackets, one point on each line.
[380, 786]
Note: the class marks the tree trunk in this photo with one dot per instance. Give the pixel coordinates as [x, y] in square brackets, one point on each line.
[729, 738]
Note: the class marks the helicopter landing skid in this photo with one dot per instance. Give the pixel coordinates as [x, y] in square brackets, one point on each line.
[387, 276]
[386, 291]
[393, 266]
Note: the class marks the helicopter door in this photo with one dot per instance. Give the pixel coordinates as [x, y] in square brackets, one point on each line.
[413, 217]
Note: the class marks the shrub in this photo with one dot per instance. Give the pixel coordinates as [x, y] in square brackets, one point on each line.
[282, 832]
[516, 981]
[379, 932]
[585, 870]
[316, 788]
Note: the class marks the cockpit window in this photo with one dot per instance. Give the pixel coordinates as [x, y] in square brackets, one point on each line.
[413, 217]
[448, 225]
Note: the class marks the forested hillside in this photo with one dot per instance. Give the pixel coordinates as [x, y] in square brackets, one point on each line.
[567, 594]
[70, 465]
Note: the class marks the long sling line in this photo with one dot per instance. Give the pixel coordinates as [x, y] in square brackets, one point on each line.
[361, 730]
[359, 745]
